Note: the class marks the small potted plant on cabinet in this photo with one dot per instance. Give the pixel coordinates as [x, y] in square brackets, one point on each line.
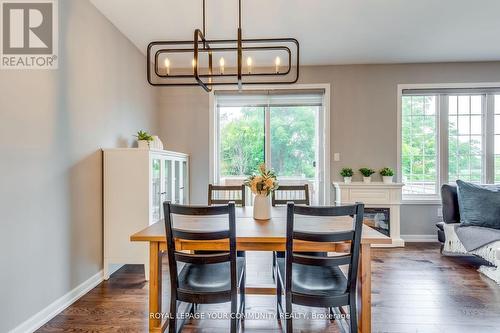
[387, 174]
[143, 139]
[367, 173]
[347, 174]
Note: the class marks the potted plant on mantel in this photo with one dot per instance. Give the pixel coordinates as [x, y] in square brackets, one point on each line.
[143, 139]
[387, 174]
[367, 174]
[347, 174]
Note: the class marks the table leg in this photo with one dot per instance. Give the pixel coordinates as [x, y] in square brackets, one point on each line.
[365, 280]
[154, 287]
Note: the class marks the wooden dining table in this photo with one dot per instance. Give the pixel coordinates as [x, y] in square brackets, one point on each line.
[257, 235]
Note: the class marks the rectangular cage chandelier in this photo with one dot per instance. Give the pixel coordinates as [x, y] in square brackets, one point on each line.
[207, 63]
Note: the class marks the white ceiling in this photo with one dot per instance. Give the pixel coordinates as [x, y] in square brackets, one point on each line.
[329, 31]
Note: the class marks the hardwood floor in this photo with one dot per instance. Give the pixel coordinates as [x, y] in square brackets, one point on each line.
[415, 289]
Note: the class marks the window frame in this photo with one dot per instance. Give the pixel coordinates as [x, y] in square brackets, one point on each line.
[487, 135]
[324, 185]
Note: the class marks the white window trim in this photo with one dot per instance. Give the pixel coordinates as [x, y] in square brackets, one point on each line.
[442, 163]
[324, 185]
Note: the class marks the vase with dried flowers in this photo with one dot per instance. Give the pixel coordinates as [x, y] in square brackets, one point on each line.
[262, 185]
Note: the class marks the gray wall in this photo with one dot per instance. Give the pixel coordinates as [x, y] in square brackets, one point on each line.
[52, 124]
[363, 120]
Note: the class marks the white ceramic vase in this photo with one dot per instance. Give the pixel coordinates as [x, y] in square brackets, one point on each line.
[347, 180]
[262, 207]
[156, 143]
[143, 144]
[387, 179]
[367, 179]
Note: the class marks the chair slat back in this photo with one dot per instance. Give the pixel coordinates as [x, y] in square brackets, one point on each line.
[200, 235]
[298, 194]
[322, 261]
[173, 233]
[212, 258]
[353, 236]
[224, 194]
[338, 236]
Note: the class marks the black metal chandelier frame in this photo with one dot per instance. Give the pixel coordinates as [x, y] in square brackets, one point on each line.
[203, 45]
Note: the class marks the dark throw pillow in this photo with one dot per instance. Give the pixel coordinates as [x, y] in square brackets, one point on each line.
[479, 205]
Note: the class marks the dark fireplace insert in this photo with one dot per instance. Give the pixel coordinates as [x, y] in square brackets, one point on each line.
[378, 219]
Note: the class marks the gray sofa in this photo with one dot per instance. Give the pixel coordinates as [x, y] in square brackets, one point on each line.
[489, 254]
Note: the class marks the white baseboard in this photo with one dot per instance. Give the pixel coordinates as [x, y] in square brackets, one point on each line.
[42, 317]
[396, 242]
[419, 238]
[112, 268]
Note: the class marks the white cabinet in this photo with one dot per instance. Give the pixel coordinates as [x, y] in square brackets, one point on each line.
[136, 183]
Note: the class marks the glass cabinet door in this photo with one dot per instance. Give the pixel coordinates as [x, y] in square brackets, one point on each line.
[156, 190]
[167, 181]
[169, 177]
[177, 182]
[184, 183]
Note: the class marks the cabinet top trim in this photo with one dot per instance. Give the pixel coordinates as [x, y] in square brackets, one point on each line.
[368, 185]
[151, 151]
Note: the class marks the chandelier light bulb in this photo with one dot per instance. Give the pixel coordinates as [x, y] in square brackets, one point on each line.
[221, 65]
[167, 66]
[249, 65]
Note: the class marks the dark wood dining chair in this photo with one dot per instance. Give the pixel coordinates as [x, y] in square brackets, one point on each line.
[224, 194]
[204, 278]
[298, 194]
[319, 281]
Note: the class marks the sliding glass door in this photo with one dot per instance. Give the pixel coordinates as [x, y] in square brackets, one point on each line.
[283, 131]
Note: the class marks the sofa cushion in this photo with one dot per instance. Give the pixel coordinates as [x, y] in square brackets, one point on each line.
[479, 205]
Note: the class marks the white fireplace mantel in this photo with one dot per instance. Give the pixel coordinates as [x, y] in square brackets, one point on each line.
[374, 195]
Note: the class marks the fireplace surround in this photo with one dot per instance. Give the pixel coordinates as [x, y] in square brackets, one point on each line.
[382, 205]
